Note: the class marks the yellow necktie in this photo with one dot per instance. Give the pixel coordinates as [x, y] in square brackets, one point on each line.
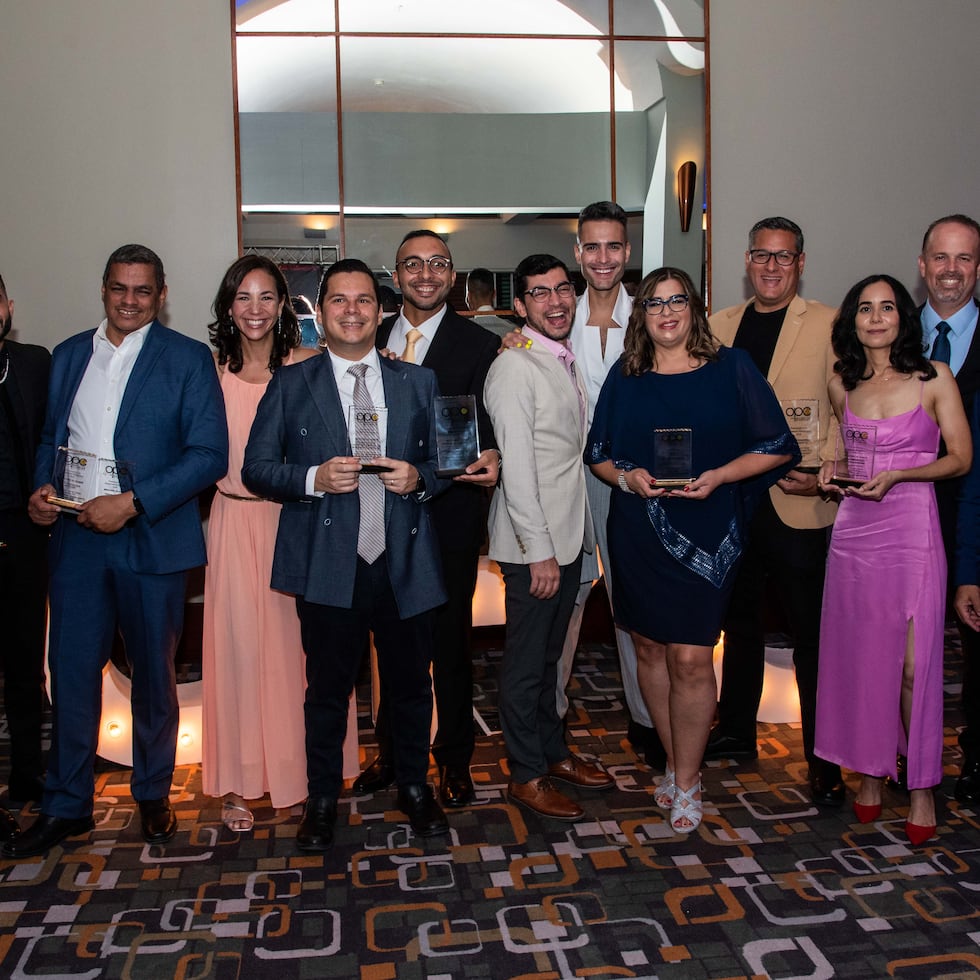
[411, 339]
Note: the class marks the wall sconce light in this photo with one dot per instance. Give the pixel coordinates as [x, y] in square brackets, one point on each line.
[686, 178]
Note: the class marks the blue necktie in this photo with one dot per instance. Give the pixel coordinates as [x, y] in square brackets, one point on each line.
[940, 349]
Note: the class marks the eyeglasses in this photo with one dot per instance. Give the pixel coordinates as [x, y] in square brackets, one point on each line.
[761, 256]
[540, 294]
[656, 305]
[437, 264]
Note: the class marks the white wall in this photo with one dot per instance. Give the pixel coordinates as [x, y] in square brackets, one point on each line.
[117, 127]
[856, 118]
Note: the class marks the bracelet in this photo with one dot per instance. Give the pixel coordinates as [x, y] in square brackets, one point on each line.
[623, 485]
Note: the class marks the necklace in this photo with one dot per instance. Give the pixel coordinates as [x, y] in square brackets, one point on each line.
[6, 366]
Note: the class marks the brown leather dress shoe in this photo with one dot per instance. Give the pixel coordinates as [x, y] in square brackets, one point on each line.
[578, 772]
[541, 796]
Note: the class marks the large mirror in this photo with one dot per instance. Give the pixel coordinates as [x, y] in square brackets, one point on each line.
[360, 121]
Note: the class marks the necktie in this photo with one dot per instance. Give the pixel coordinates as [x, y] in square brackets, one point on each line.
[940, 349]
[411, 339]
[371, 530]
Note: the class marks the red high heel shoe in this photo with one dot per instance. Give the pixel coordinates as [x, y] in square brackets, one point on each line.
[917, 834]
[867, 812]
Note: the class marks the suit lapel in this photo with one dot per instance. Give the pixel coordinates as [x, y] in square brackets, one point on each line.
[788, 335]
[393, 377]
[322, 385]
[153, 347]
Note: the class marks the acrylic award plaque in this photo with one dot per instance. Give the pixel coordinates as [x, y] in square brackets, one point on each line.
[855, 456]
[673, 457]
[79, 476]
[803, 418]
[457, 437]
[364, 427]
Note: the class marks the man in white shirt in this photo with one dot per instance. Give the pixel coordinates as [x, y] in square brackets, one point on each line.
[141, 398]
[481, 298]
[602, 250]
[355, 543]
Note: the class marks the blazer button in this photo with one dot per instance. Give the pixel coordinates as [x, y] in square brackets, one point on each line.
[420, 443]
[414, 530]
[302, 432]
[327, 522]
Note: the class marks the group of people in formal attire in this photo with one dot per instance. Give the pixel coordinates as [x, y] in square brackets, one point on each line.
[636, 431]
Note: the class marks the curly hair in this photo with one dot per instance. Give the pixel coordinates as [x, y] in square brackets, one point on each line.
[639, 355]
[906, 354]
[226, 339]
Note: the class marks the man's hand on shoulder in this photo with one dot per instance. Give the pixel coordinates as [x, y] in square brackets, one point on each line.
[513, 339]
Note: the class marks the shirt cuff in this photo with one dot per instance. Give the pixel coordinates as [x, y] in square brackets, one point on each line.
[311, 483]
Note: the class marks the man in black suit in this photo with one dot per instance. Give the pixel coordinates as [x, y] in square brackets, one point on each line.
[949, 265]
[428, 332]
[23, 569]
[355, 547]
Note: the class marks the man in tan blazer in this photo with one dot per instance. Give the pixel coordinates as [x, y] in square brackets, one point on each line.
[788, 337]
[539, 525]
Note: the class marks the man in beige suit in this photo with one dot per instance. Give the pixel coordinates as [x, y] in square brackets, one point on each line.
[788, 337]
[539, 525]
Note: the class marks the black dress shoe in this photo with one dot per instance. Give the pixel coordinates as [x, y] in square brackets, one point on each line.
[158, 820]
[722, 746]
[826, 784]
[378, 776]
[44, 833]
[315, 832]
[418, 803]
[901, 781]
[455, 786]
[9, 827]
[968, 785]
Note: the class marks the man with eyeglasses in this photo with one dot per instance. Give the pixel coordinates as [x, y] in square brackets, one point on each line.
[539, 525]
[429, 332]
[788, 338]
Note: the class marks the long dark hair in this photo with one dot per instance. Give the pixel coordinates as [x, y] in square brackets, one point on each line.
[639, 355]
[224, 334]
[906, 354]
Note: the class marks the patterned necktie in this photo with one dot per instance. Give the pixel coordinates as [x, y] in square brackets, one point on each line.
[411, 339]
[940, 349]
[371, 530]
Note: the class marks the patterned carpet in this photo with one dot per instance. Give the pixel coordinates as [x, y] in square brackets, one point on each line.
[768, 887]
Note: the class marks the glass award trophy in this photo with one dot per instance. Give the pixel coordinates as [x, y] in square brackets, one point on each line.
[364, 428]
[855, 456]
[79, 476]
[673, 457]
[803, 418]
[457, 437]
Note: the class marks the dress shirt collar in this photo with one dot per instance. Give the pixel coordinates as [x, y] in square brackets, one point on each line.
[554, 347]
[427, 327]
[131, 342]
[961, 322]
[621, 311]
[341, 364]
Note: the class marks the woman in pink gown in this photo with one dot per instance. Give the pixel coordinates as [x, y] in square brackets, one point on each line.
[253, 663]
[881, 634]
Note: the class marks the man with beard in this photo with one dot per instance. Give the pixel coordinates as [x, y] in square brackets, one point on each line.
[355, 546]
[788, 338]
[602, 250]
[429, 332]
[539, 524]
[949, 264]
[23, 570]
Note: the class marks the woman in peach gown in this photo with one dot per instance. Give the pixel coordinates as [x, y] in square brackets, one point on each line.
[253, 663]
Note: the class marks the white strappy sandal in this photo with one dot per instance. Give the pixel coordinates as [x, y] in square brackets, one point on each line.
[686, 807]
[663, 795]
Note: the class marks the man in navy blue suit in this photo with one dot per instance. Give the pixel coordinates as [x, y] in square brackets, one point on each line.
[131, 391]
[358, 556]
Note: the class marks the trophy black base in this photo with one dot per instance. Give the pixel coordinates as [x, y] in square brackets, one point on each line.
[846, 481]
[375, 468]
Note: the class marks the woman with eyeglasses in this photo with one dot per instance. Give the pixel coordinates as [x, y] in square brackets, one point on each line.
[880, 692]
[690, 434]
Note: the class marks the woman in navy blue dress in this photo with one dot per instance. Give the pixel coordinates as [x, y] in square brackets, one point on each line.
[674, 549]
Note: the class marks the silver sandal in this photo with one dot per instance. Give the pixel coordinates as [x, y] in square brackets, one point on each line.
[236, 817]
[663, 795]
[685, 806]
